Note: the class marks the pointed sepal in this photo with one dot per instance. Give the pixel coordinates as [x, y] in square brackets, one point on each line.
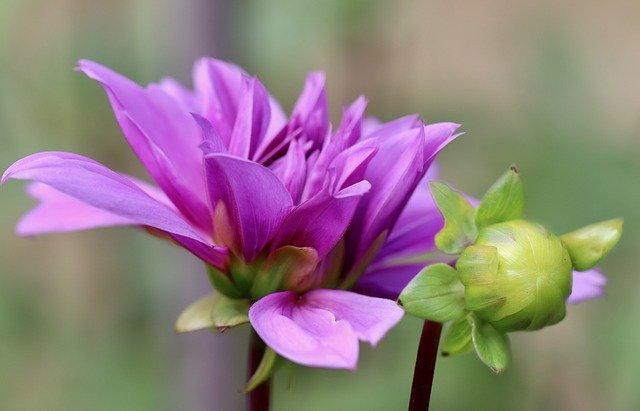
[504, 201]
[588, 245]
[435, 294]
[457, 339]
[492, 346]
[459, 228]
[197, 316]
[213, 311]
[221, 282]
[228, 313]
[265, 370]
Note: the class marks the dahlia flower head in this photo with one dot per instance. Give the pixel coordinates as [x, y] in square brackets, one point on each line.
[308, 231]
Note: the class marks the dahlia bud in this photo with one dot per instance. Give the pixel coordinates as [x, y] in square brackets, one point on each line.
[511, 274]
[517, 276]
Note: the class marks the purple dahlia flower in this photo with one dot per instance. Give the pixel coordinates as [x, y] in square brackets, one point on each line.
[315, 226]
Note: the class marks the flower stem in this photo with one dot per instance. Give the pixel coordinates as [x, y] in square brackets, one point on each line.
[425, 366]
[257, 399]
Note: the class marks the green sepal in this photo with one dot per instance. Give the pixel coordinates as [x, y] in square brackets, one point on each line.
[242, 274]
[459, 228]
[435, 294]
[197, 315]
[457, 339]
[289, 264]
[492, 346]
[228, 313]
[265, 369]
[222, 283]
[213, 311]
[504, 201]
[588, 245]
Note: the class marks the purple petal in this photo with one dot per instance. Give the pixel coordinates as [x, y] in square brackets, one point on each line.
[185, 97]
[92, 183]
[410, 246]
[311, 111]
[252, 119]
[292, 170]
[321, 328]
[402, 161]
[387, 282]
[321, 221]
[416, 227]
[373, 128]
[437, 136]
[587, 285]
[255, 201]
[211, 141]
[163, 135]
[218, 85]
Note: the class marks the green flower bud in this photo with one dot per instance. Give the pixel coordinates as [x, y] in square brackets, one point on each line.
[517, 276]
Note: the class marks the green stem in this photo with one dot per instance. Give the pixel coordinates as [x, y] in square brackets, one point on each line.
[258, 399]
[425, 366]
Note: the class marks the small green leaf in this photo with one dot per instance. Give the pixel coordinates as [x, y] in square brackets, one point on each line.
[197, 316]
[588, 245]
[227, 313]
[504, 201]
[458, 338]
[434, 294]
[222, 282]
[459, 228]
[492, 346]
[264, 371]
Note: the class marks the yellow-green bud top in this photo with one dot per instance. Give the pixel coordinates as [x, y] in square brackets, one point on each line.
[527, 286]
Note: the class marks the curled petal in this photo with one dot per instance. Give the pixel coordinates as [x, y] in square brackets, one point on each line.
[94, 184]
[163, 135]
[371, 318]
[403, 161]
[311, 111]
[252, 119]
[321, 221]
[255, 201]
[321, 328]
[587, 285]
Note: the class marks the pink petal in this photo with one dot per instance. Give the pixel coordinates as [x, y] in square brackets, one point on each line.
[59, 212]
[94, 184]
[305, 335]
[371, 318]
[587, 285]
[321, 328]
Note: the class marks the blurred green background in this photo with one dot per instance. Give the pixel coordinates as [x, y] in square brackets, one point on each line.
[86, 319]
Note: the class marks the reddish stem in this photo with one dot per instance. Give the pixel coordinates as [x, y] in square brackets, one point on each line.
[258, 399]
[425, 366]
